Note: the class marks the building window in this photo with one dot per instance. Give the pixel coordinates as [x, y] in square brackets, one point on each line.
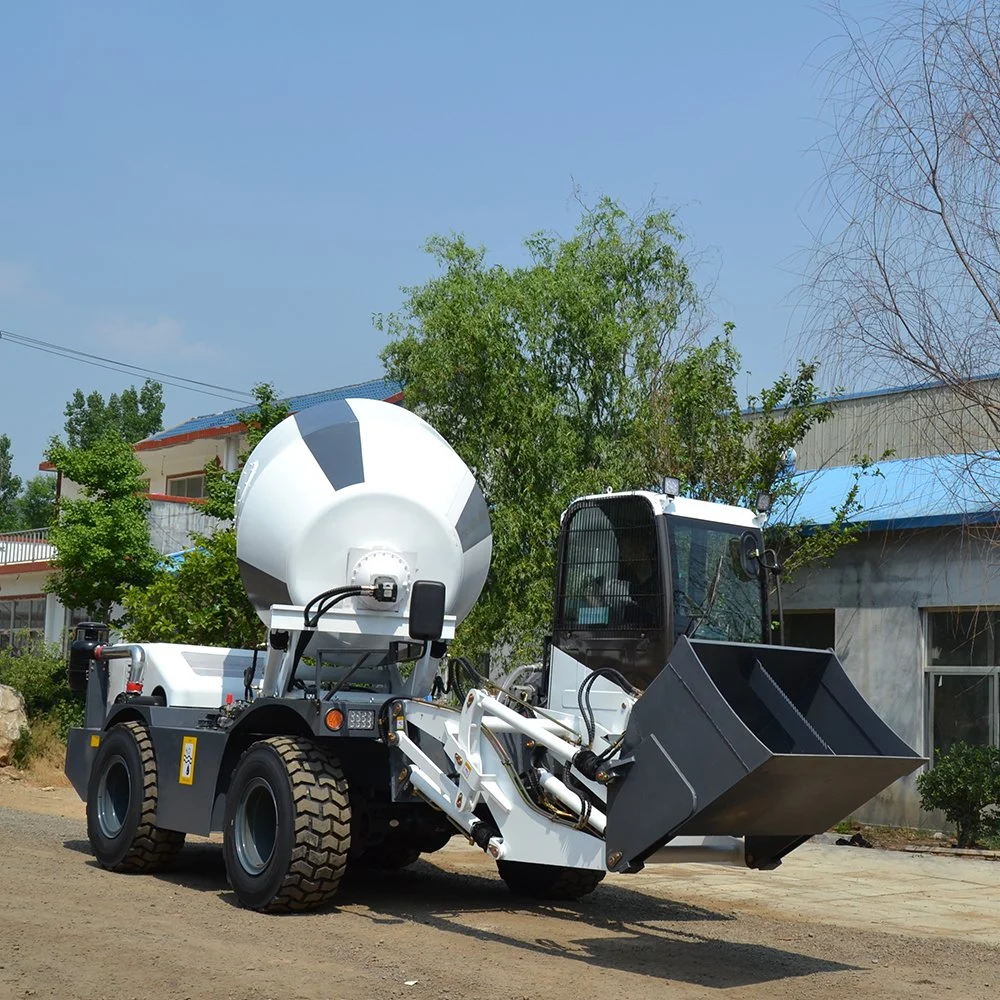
[962, 671]
[191, 486]
[21, 618]
[810, 629]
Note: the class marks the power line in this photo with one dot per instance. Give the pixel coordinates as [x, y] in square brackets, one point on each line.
[123, 367]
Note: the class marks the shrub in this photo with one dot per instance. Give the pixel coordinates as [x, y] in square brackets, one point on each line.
[24, 748]
[38, 672]
[964, 783]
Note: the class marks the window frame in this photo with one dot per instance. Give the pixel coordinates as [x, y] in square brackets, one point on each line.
[932, 671]
[8, 630]
[197, 474]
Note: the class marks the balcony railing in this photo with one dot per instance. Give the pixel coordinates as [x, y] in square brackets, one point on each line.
[170, 527]
[26, 547]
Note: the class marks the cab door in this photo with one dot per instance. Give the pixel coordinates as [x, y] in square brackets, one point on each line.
[611, 606]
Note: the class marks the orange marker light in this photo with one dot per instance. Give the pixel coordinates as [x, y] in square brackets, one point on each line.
[334, 719]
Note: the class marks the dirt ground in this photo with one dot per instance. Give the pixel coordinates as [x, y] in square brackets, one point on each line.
[830, 922]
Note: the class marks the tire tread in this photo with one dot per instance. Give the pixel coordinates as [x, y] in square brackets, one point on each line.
[322, 836]
[152, 847]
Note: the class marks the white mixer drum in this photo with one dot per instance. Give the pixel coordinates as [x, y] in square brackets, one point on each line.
[351, 490]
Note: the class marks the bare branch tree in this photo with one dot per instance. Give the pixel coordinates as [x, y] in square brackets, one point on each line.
[906, 277]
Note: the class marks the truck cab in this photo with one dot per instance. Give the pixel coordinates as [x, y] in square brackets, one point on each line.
[638, 570]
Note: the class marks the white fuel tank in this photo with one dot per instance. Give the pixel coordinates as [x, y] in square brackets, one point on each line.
[347, 491]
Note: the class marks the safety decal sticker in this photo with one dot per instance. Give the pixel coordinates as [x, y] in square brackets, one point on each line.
[189, 747]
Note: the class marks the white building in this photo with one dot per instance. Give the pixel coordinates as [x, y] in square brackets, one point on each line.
[175, 461]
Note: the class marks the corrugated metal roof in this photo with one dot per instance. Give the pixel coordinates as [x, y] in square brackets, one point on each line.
[382, 388]
[894, 390]
[907, 493]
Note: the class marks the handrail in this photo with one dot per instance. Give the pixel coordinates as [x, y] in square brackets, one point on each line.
[28, 535]
[28, 546]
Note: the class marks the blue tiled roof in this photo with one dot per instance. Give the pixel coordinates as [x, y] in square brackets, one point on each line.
[382, 388]
[908, 493]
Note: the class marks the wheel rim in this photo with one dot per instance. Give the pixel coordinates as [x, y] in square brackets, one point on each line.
[113, 797]
[255, 827]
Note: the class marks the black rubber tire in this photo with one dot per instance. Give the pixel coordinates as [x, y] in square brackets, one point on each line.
[548, 881]
[305, 786]
[123, 787]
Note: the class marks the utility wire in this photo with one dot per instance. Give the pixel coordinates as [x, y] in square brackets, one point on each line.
[177, 381]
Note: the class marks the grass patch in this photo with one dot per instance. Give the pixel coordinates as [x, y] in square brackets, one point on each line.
[42, 745]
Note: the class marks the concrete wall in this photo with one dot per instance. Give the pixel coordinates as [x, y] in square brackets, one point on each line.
[879, 588]
[190, 457]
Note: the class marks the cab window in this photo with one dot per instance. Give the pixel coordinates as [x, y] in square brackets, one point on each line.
[610, 577]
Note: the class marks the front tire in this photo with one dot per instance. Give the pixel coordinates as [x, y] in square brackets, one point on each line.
[121, 804]
[550, 882]
[287, 826]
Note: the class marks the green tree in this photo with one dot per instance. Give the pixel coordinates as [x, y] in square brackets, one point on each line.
[10, 487]
[723, 451]
[574, 374]
[23, 505]
[133, 414]
[201, 599]
[541, 377]
[36, 504]
[102, 536]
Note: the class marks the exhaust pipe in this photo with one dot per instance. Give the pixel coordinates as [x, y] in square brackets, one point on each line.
[769, 743]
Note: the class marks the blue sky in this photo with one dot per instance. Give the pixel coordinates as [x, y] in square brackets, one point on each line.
[229, 191]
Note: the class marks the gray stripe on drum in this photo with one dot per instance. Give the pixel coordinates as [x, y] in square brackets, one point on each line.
[262, 588]
[474, 521]
[332, 434]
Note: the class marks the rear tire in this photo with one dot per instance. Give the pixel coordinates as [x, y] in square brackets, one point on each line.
[121, 804]
[551, 882]
[287, 827]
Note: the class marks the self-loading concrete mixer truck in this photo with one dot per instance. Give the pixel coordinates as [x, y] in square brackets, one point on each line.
[663, 725]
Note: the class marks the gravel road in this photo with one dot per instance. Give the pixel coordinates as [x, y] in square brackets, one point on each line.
[450, 928]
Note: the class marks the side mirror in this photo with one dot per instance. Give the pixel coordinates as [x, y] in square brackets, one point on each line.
[750, 560]
[426, 610]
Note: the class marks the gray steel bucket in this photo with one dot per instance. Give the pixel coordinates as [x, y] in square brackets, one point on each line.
[771, 743]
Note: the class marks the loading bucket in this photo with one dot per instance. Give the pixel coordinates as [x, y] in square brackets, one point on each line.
[770, 743]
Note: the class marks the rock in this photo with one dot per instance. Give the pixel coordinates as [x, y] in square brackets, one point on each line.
[12, 721]
[856, 841]
[939, 836]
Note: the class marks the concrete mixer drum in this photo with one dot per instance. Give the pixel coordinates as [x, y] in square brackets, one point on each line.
[356, 491]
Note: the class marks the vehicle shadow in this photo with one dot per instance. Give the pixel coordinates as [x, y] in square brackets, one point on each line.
[616, 928]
